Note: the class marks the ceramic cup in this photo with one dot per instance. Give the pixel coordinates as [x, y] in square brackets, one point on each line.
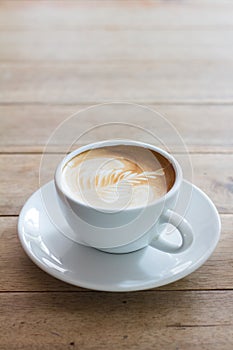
[128, 229]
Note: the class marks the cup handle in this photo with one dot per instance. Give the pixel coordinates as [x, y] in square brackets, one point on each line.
[184, 229]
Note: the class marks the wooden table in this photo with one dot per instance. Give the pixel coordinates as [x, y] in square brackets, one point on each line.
[58, 57]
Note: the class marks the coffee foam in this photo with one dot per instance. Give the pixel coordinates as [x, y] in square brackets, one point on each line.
[118, 176]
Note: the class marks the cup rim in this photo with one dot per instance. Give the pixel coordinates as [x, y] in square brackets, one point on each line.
[115, 142]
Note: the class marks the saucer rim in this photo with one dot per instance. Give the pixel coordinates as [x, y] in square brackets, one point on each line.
[107, 288]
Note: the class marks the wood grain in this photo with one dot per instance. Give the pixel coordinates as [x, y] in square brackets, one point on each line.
[115, 15]
[146, 82]
[165, 320]
[110, 45]
[199, 126]
[18, 273]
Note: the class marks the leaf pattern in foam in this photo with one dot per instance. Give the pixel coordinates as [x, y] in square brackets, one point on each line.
[110, 178]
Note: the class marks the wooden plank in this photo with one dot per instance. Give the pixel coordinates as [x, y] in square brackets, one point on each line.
[150, 82]
[211, 172]
[82, 45]
[20, 180]
[20, 274]
[166, 320]
[115, 15]
[198, 125]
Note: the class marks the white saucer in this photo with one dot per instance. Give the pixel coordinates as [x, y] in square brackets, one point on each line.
[87, 267]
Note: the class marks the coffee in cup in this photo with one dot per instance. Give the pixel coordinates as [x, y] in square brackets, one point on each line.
[117, 177]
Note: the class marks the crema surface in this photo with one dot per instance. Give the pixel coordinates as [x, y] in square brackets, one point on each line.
[115, 177]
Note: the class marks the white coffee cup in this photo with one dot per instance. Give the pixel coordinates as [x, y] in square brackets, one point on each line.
[128, 229]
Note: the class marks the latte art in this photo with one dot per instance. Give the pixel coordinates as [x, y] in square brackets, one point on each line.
[117, 176]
